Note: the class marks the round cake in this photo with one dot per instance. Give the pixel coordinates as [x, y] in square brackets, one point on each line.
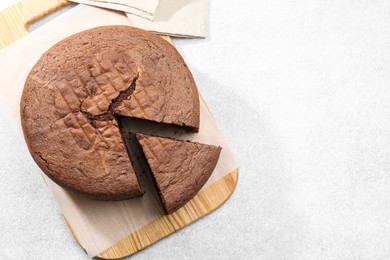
[74, 92]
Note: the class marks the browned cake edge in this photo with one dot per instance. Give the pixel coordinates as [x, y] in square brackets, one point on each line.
[209, 171]
[194, 127]
[42, 164]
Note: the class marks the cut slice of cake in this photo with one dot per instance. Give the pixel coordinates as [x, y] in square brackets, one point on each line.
[180, 168]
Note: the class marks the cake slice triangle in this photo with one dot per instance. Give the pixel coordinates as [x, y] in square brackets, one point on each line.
[179, 168]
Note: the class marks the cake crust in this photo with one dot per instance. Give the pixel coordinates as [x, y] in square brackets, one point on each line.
[180, 168]
[73, 92]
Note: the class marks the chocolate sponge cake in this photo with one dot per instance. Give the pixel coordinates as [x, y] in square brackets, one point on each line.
[180, 168]
[73, 92]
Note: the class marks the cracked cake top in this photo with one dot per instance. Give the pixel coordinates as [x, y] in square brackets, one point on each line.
[73, 91]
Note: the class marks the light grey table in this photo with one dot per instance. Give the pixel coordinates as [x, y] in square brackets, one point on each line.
[301, 91]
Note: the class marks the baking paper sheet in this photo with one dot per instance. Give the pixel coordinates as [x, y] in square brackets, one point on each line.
[98, 225]
[179, 18]
[140, 8]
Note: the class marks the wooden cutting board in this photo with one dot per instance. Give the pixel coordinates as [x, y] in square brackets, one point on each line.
[14, 22]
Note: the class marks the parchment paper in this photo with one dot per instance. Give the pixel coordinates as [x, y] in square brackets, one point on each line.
[142, 8]
[179, 18]
[98, 225]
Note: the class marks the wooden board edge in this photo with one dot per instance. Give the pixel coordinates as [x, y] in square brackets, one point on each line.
[14, 20]
[205, 202]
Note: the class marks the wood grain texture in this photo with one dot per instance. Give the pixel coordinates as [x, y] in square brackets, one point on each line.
[14, 22]
[202, 204]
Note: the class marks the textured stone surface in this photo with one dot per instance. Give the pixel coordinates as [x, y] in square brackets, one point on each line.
[74, 90]
[180, 168]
